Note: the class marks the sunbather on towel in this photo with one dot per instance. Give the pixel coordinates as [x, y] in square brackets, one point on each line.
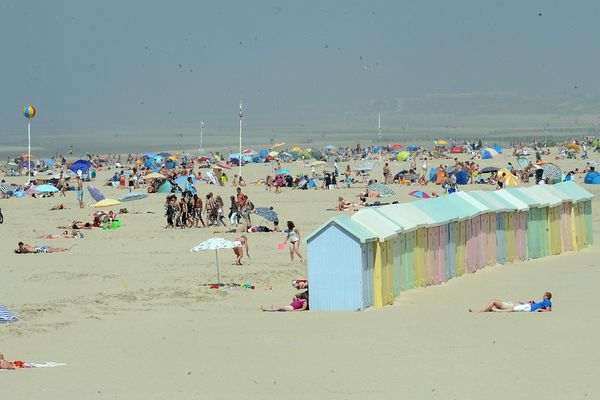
[72, 234]
[25, 248]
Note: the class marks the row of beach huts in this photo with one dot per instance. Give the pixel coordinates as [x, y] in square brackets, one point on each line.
[369, 258]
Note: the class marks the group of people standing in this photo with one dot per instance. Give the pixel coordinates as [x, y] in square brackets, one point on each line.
[190, 211]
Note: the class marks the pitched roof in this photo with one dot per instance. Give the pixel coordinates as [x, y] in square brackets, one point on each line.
[357, 230]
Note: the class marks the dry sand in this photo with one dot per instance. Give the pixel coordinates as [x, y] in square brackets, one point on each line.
[128, 312]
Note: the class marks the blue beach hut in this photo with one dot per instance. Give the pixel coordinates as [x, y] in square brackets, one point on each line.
[340, 265]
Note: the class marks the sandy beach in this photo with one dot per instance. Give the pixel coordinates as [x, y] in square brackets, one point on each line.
[130, 314]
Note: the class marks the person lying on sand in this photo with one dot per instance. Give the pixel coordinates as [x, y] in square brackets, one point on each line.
[72, 234]
[239, 251]
[58, 207]
[5, 364]
[77, 225]
[25, 248]
[496, 305]
[299, 303]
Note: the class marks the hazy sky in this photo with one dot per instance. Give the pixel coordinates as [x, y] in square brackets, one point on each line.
[166, 65]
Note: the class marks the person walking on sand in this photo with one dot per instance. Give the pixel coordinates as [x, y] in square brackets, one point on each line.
[239, 251]
[293, 235]
[80, 191]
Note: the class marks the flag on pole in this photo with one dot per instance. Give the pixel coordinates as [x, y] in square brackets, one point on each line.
[241, 112]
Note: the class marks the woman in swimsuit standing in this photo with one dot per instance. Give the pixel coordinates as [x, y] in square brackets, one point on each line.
[293, 235]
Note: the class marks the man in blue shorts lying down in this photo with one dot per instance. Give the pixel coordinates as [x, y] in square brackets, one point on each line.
[496, 305]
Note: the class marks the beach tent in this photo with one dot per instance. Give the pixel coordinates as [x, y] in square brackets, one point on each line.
[402, 156]
[263, 153]
[386, 251]
[456, 150]
[509, 178]
[165, 188]
[461, 177]
[537, 224]
[488, 153]
[552, 204]
[305, 154]
[581, 212]
[82, 165]
[592, 178]
[340, 265]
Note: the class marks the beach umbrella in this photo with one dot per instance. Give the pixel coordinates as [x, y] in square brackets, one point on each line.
[163, 154]
[46, 189]
[95, 193]
[12, 164]
[150, 155]
[285, 155]
[396, 146]
[278, 145]
[574, 147]
[154, 175]
[133, 196]
[488, 153]
[282, 171]
[296, 148]
[305, 154]
[49, 162]
[266, 213]
[216, 244]
[182, 180]
[82, 165]
[442, 142]
[552, 172]
[382, 190]
[107, 203]
[419, 194]
[5, 187]
[488, 170]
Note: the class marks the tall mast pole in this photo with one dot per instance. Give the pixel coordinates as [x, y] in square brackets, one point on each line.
[201, 135]
[379, 135]
[241, 118]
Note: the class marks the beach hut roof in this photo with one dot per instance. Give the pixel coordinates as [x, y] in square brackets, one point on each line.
[459, 202]
[574, 191]
[405, 215]
[543, 196]
[510, 199]
[377, 223]
[473, 201]
[555, 192]
[438, 210]
[346, 223]
[522, 195]
[493, 203]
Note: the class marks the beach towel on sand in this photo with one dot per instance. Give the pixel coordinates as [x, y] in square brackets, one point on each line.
[6, 315]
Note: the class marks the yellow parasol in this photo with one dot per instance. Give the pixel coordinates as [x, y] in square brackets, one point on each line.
[296, 148]
[443, 142]
[106, 203]
[274, 154]
[154, 175]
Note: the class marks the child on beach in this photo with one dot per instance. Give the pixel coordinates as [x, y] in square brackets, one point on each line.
[293, 235]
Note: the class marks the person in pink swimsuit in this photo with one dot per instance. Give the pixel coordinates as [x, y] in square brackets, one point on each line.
[299, 303]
